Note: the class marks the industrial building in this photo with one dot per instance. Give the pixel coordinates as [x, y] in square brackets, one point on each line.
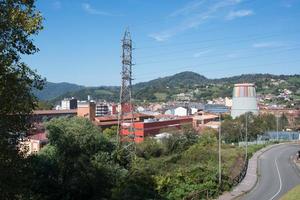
[112, 120]
[244, 99]
[39, 116]
[153, 127]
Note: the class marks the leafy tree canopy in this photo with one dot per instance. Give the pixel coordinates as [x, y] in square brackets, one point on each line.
[19, 21]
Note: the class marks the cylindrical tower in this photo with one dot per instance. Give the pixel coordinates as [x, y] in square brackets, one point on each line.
[243, 99]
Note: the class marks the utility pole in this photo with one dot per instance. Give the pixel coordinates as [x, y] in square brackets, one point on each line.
[220, 162]
[277, 126]
[246, 135]
[125, 116]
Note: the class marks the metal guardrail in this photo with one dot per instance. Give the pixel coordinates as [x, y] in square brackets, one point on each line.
[241, 176]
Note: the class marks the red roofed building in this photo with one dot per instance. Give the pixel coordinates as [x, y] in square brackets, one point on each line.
[112, 120]
[152, 128]
[42, 115]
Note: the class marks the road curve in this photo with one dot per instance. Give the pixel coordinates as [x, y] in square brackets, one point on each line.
[277, 173]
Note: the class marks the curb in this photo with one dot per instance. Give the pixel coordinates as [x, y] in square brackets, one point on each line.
[237, 191]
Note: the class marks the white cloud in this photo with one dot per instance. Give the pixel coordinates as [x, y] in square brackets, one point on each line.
[200, 53]
[188, 8]
[267, 45]
[160, 37]
[90, 10]
[239, 13]
[194, 14]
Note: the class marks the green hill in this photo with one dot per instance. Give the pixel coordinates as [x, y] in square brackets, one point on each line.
[52, 90]
[189, 83]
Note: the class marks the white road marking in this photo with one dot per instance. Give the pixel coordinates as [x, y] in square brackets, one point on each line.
[280, 181]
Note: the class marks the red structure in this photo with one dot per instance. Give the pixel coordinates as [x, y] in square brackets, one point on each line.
[114, 109]
[146, 129]
[127, 107]
[112, 120]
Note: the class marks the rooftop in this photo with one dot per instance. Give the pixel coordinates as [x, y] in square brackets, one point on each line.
[243, 84]
[38, 136]
[115, 117]
[52, 112]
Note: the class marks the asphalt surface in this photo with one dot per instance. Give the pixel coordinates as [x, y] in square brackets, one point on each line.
[277, 173]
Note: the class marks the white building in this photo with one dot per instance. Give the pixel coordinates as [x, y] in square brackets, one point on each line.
[67, 104]
[180, 111]
[194, 110]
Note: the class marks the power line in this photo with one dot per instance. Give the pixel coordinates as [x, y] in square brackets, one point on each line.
[154, 21]
[219, 70]
[190, 57]
[218, 39]
[212, 30]
[203, 48]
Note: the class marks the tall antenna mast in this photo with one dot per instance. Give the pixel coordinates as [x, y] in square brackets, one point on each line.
[126, 119]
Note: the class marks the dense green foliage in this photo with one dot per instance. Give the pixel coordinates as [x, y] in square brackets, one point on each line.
[44, 105]
[188, 171]
[78, 163]
[105, 93]
[82, 163]
[19, 20]
[234, 130]
[197, 86]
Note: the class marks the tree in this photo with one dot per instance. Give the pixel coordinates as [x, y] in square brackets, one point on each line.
[111, 133]
[231, 130]
[283, 121]
[44, 105]
[19, 20]
[78, 162]
[137, 185]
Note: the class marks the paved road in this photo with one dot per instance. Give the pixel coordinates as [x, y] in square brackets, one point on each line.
[277, 172]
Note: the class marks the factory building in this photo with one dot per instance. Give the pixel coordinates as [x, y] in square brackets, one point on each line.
[150, 128]
[243, 99]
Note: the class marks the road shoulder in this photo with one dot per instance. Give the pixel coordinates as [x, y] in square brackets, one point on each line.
[251, 178]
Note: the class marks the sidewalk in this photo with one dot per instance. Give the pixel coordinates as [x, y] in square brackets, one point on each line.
[250, 179]
[296, 161]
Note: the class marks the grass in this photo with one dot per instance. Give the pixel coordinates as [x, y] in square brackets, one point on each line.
[293, 194]
[254, 148]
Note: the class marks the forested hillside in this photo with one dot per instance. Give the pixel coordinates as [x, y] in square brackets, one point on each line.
[52, 90]
[190, 83]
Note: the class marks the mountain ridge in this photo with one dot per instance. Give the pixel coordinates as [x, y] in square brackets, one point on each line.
[163, 88]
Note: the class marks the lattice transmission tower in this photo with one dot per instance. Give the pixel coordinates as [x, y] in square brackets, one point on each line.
[126, 131]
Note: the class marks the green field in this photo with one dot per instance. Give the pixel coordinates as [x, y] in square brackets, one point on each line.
[293, 194]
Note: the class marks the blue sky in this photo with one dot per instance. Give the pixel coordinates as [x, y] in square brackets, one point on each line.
[81, 40]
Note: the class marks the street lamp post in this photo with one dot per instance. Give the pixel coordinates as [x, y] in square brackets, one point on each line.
[246, 137]
[277, 125]
[220, 172]
[219, 112]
